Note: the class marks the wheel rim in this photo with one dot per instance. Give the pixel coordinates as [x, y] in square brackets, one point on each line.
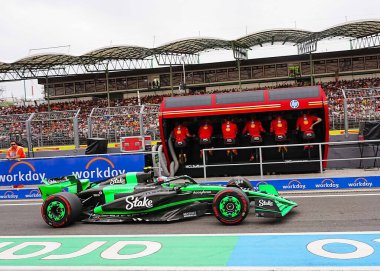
[230, 206]
[55, 210]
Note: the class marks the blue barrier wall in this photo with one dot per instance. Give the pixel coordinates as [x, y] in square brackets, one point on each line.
[93, 167]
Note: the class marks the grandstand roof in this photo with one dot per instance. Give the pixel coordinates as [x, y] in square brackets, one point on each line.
[272, 36]
[120, 52]
[46, 60]
[194, 45]
[356, 29]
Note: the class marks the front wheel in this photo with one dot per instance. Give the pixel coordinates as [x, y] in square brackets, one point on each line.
[61, 209]
[230, 206]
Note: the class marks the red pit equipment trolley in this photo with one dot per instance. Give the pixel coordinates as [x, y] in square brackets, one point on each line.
[265, 105]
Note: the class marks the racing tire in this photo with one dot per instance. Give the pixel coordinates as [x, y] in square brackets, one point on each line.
[231, 206]
[61, 209]
[240, 182]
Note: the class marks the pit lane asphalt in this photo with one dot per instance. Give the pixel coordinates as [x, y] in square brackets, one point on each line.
[343, 212]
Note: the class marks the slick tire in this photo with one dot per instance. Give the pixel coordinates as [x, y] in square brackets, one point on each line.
[61, 209]
[240, 182]
[231, 206]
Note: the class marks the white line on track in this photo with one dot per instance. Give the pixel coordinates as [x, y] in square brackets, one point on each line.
[20, 204]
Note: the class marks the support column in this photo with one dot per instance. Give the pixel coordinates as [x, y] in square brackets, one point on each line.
[171, 79]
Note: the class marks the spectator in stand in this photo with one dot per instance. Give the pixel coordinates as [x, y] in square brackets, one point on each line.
[15, 151]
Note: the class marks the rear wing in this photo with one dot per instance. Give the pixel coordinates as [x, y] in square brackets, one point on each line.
[67, 183]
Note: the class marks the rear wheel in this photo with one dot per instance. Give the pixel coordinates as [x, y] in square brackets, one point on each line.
[61, 209]
[240, 182]
[231, 206]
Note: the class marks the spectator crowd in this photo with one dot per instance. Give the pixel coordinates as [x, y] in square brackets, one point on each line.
[123, 118]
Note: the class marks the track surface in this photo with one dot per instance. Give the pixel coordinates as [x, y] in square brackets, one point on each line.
[316, 213]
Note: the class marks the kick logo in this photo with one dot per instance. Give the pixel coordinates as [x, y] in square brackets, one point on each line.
[98, 172]
[22, 175]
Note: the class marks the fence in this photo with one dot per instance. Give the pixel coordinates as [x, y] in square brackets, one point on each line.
[13, 127]
[353, 106]
[54, 128]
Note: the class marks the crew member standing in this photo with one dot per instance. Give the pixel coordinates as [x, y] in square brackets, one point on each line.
[204, 133]
[181, 133]
[15, 151]
[229, 131]
[305, 123]
[253, 128]
[279, 127]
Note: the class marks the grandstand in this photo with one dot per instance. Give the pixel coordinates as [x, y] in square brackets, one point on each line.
[127, 118]
[88, 98]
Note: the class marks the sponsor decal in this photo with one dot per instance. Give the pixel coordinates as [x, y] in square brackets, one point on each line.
[135, 202]
[98, 173]
[9, 195]
[294, 184]
[35, 193]
[202, 192]
[190, 214]
[263, 202]
[30, 175]
[193, 166]
[117, 181]
[43, 250]
[327, 183]
[294, 104]
[360, 182]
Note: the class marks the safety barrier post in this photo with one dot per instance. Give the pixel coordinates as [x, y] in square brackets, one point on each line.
[320, 157]
[28, 125]
[141, 120]
[204, 165]
[76, 129]
[261, 162]
[345, 113]
[90, 124]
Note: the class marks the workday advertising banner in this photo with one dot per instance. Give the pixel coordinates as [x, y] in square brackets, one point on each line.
[33, 171]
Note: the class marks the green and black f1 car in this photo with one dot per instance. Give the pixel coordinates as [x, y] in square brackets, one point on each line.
[138, 196]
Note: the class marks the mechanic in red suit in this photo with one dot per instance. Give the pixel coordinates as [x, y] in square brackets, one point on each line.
[229, 132]
[204, 133]
[181, 134]
[305, 124]
[253, 128]
[279, 126]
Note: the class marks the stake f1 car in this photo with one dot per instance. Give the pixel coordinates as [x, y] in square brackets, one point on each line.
[138, 196]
